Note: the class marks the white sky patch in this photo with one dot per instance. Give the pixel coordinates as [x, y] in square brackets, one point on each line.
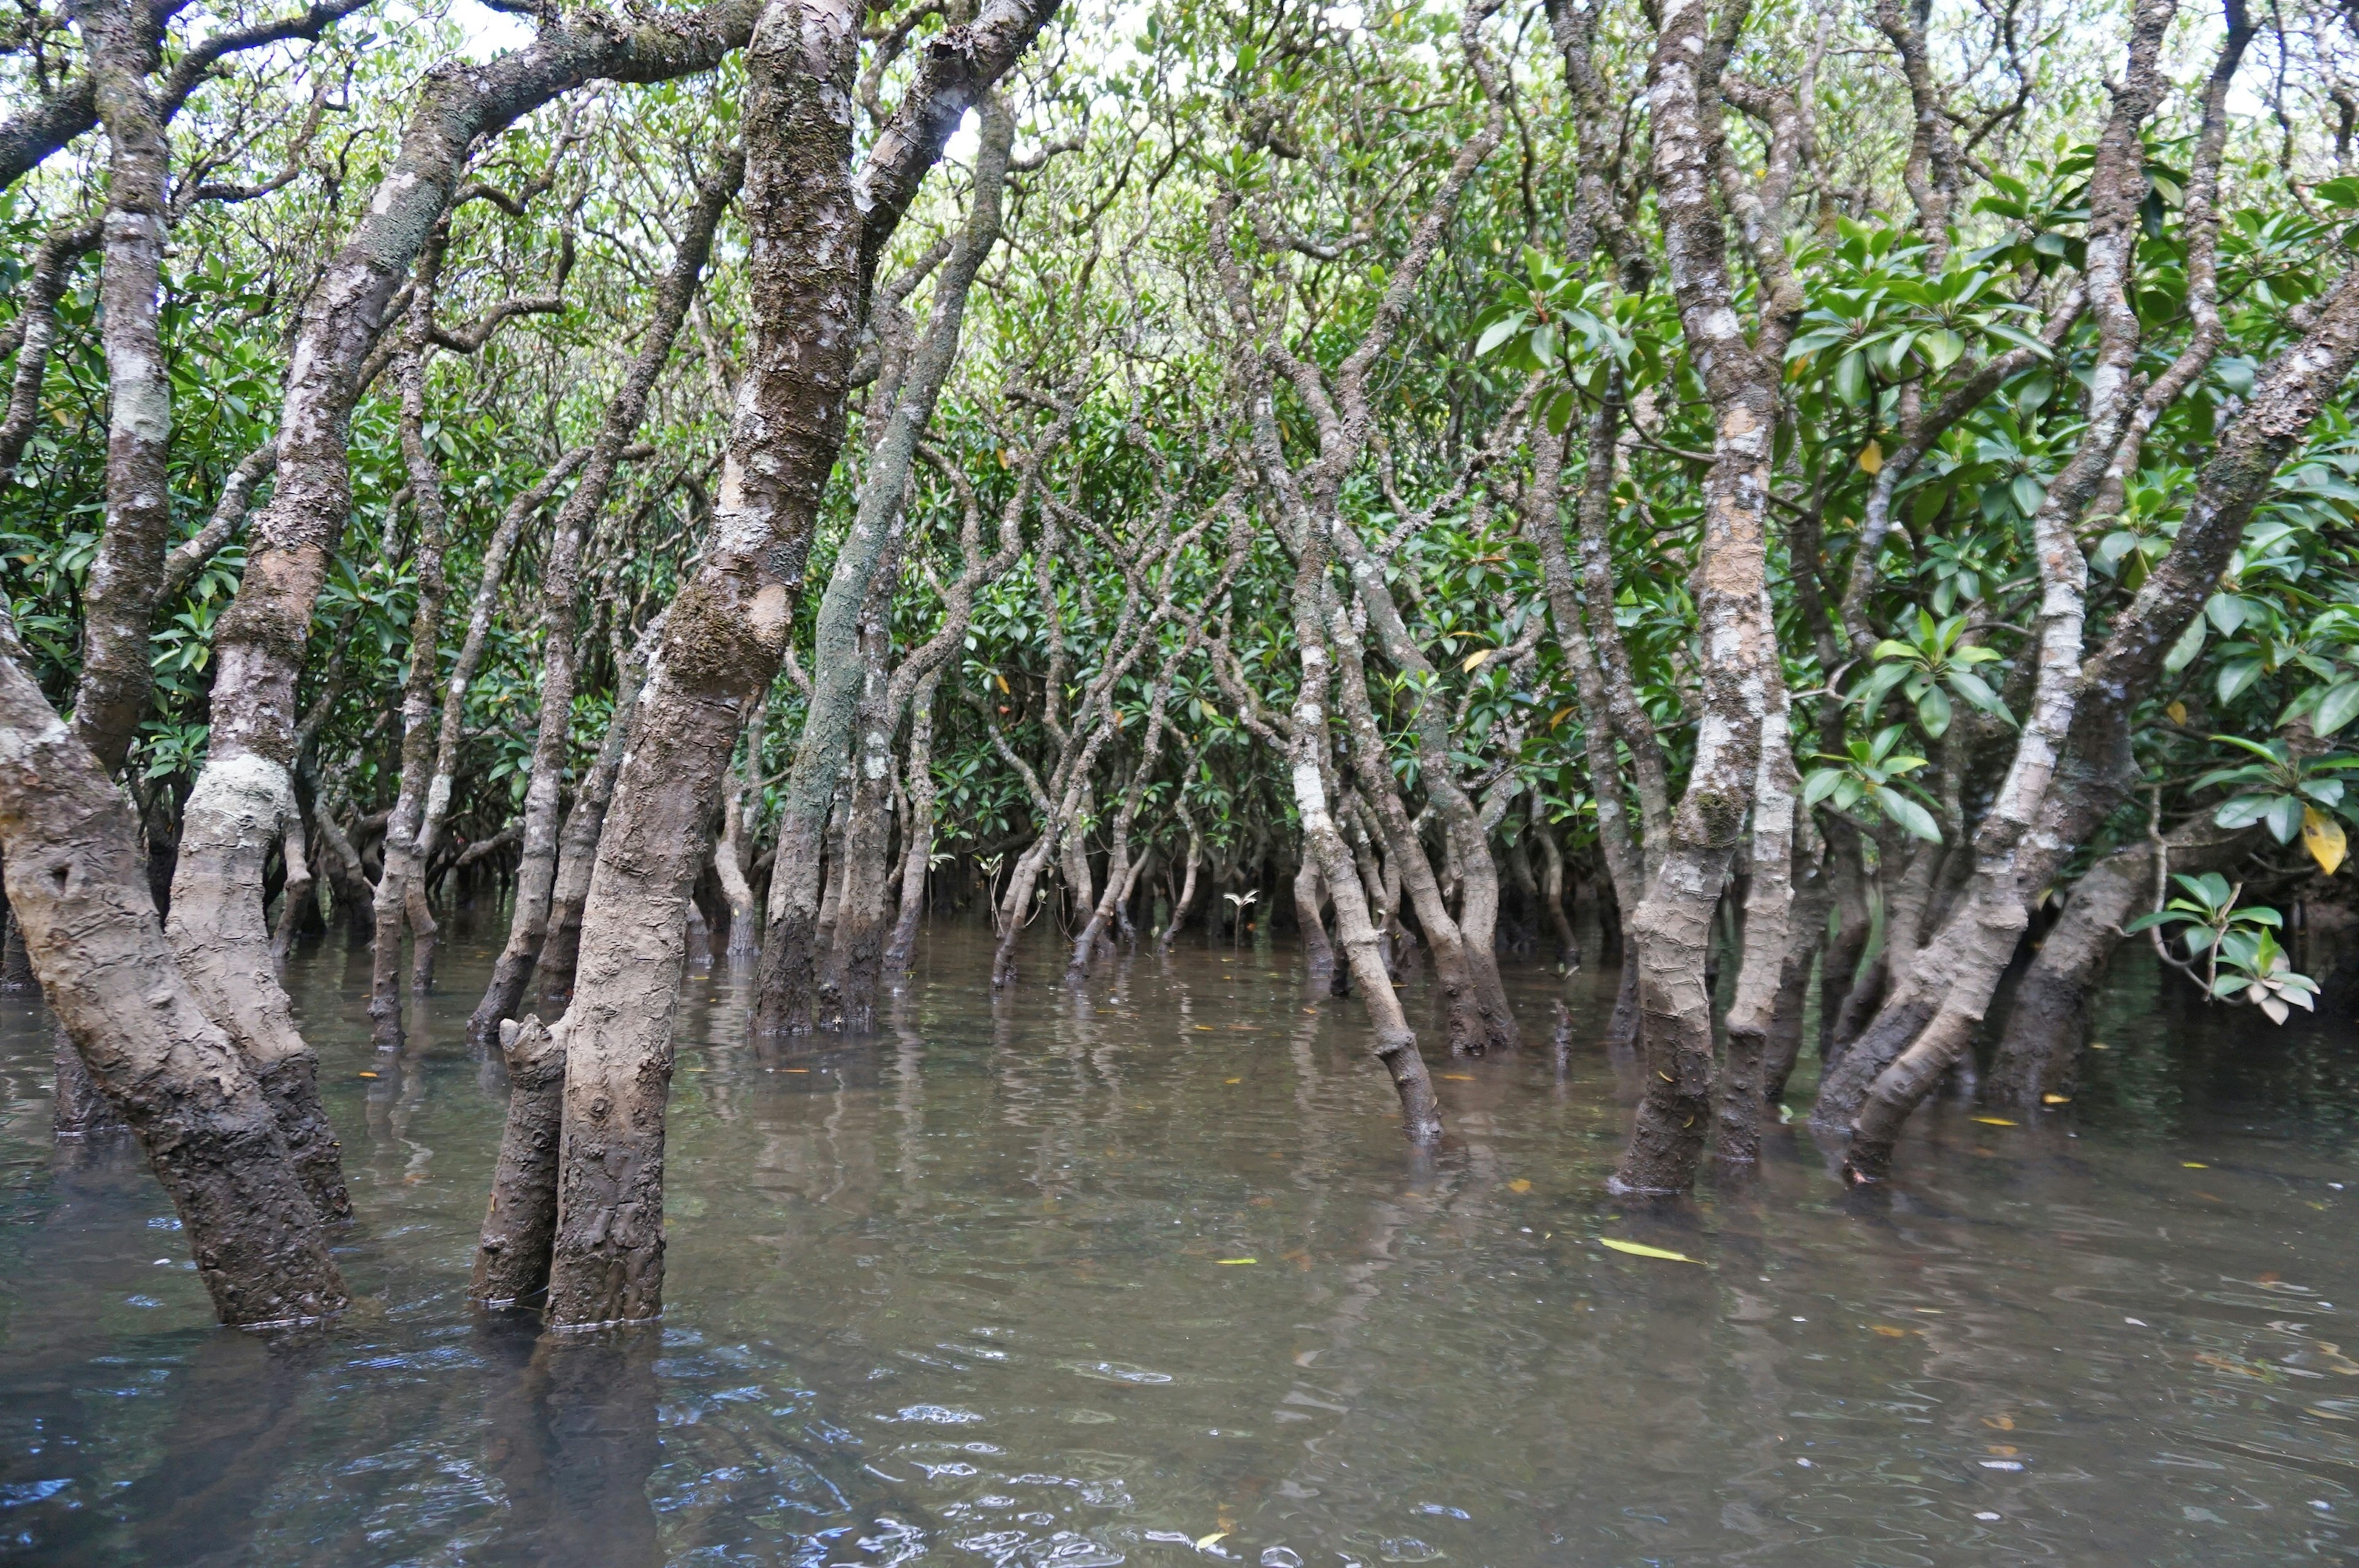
[489, 32]
[961, 147]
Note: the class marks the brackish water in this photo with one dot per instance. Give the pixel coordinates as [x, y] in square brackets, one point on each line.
[1146, 1275]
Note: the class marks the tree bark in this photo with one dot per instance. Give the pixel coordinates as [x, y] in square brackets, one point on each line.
[512, 1256]
[1670, 931]
[789, 979]
[76, 886]
[917, 830]
[813, 237]
[538, 869]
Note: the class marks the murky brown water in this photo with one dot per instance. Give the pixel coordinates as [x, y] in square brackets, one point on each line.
[1147, 1276]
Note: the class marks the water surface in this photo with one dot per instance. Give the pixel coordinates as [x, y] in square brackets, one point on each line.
[1146, 1274]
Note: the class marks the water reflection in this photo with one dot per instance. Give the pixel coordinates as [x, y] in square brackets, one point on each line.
[1143, 1272]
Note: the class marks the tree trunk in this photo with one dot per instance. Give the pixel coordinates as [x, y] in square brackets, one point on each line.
[512, 1257]
[1671, 929]
[789, 977]
[577, 846]
[537, 871]
[919, 830]
[815, 231]
[68, 846]
[400, 893]
[2038, 1054]
[1762, 972]
[242, 796]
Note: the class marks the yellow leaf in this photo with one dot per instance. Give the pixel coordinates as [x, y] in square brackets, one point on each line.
[1458, 1077]
[1889, 1332]
[2099, 1046]
[1001, 679]
[1476, 657]
[368, 1074]
[1519, 1186]
[1640, 1249]
[1227, 1261]
[1205, 1027]
[2195, 1165]
[1871, 457]
[2056, 1099]
[2322, 836]
[1233, 1080]
[1560, 715]
[1992, 1120]
[1207, 1540]
[2178, 711]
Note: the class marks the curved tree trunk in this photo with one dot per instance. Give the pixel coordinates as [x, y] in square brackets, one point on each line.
[816, 229]
[789, 977]
[2038, 1054]
[537, 871]
[917, 831]
[77, 887]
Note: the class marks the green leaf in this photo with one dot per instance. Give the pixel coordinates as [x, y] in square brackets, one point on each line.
[2337, 707]
[2284, 818]
[2190, 643]
[2235, 675]
[1909, 816]
[2248, 809]
[1821, 785]
[1934, 712]
[1976, 690]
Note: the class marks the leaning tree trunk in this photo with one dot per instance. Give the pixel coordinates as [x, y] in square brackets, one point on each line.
[244, 795]
[816, 230]
[77, 888]
[1670, 931]
[790, 977]
[560, 615]
[916, 831]
[2038, 1054]
[2018, 846]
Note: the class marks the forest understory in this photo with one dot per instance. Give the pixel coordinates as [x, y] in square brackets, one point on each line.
[1842, 511]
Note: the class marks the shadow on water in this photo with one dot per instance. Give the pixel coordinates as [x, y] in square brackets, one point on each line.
[1143, 1272]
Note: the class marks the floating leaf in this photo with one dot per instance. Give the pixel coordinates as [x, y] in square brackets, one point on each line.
[1992, 1120]
[2195, 1165]
[1519, 1186]
[2323, 838]
[1888, 1331]
[1458, 1077]
[1218, 1535]
[1231, 1262]
[1640, 1249]
[2056, 1099]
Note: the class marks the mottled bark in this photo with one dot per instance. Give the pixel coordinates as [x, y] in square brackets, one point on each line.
[512, 1255]
[36, 330]
[2021, 841]
[537, 870]
[76, 886]
[576, 846]
[1670, 931]
[726, 637]
[1762, 973]
[119, 598]
[789, 979]
[400, 891]
[242, 792]
[2047, 1020]
[916, 829]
